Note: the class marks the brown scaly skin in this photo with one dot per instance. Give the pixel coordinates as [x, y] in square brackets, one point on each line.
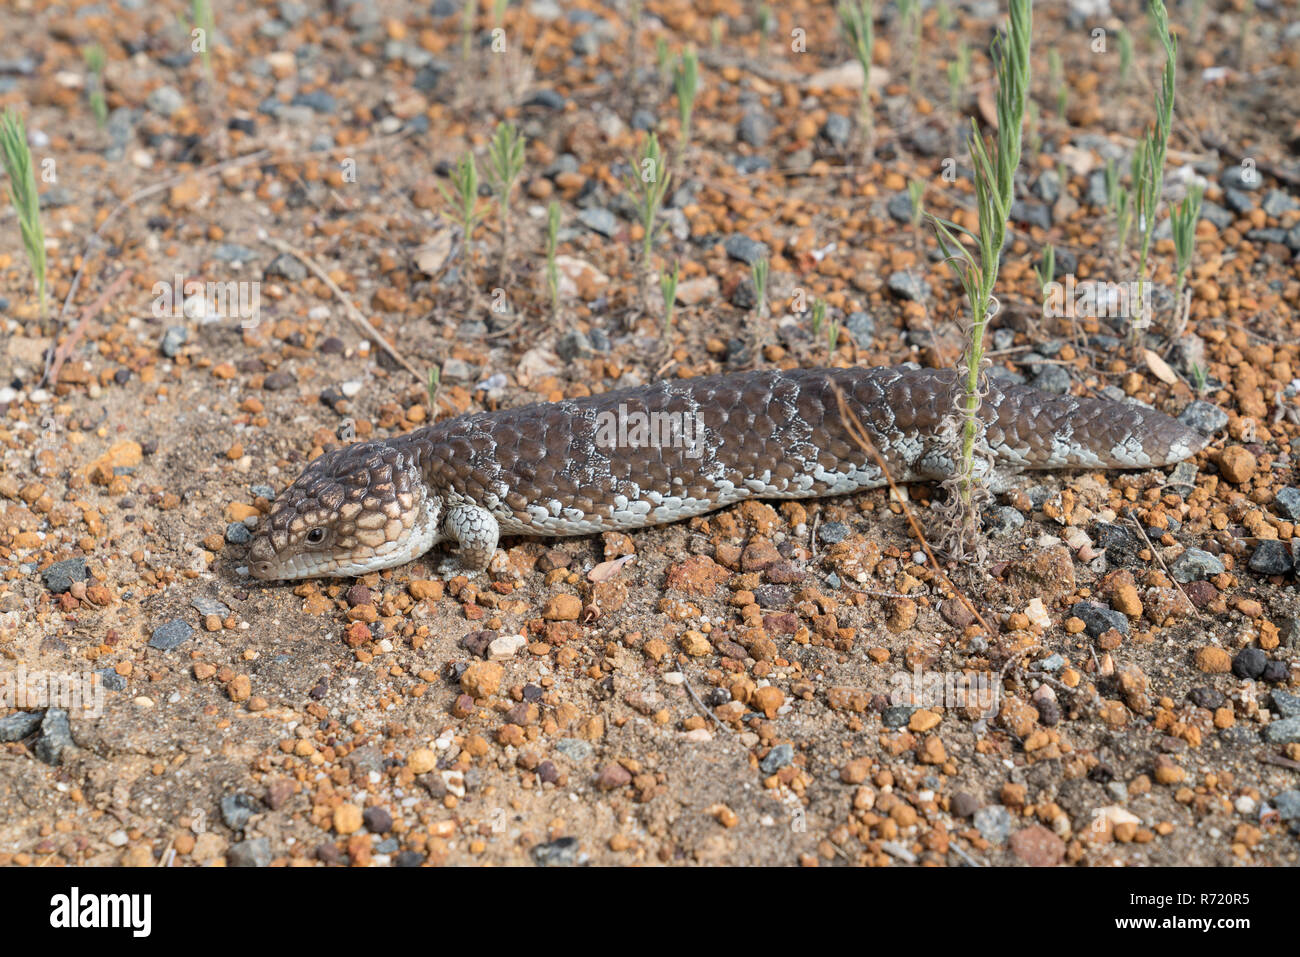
[565, 469]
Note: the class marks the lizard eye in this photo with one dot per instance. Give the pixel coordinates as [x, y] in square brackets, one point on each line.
[316, 536]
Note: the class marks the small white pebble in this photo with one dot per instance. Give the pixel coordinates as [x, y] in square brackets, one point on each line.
[506, 646]
[143, 702]
[674, 678]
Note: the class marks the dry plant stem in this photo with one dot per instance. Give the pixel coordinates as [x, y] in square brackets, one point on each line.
[64, 350]
[1007, 665]
[859, 435]
[1142, 531]
[686, 683]
[353, 313]
[1278, 760]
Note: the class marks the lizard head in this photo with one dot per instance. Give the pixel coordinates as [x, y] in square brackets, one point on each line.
[352, 511]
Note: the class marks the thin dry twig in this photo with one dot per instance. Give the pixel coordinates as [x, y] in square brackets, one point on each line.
[686, 683]
[859, 435]
[1143, 533]
[60, 354]
[1278, 760]
[353, 312]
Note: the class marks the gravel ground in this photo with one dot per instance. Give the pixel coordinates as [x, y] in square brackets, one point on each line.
[740, 692]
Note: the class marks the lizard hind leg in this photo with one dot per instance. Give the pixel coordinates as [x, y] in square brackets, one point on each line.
[476, 532]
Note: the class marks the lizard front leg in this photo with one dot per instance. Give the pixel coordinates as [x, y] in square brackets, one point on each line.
[476, 532]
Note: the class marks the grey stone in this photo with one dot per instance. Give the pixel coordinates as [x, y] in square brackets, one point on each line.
[209, 606]
[1048, 186]
[428, 76]
[111, 680]
[172, 341]
[1286, 731]
[743, 249]
[1249, 663]
[837, 130]
[862, 327]
[573, 345]
[288, 267]
[1203, 417]
[318, 101]
[575, 749]
[1277, 202]
[1214, 213]
[1285, 703]
[896, 716]
[586, 44]
[1195, 564]
[546, 99]
[1096, 192]
[237, 533]
[255, 852]
[900, 207]
[562, 852]
[55, 736]
[1268, 235]
[1033, 214]
[165, 100]
[994, 823]
[599, 220]
[1270, 557]
[755, 127]
[236, 809]
[745, 295]
[1052, 378]
[907, 285]
[1241, 177]
[60, 576]
[16, 726]
[776, 759]
[926, 140]
[1003, 521]
[1239, 202]
[234, 253]
[167, 636]
[745, 165]
[1289, 629]
[1098, 619]
[1287, 804]
[833, 533]
[1288, 502]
